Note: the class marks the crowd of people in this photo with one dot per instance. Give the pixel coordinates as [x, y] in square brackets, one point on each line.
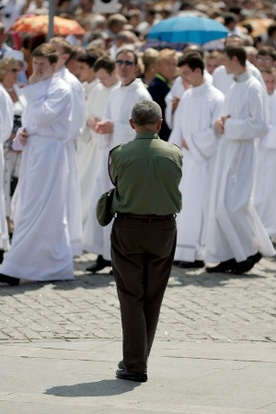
[82, 114]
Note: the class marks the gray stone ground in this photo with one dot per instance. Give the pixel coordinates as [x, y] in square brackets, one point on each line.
[215, 348]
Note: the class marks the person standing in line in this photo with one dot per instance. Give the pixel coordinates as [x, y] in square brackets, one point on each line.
[146, 172]
[160, 86]
[40, 247]
[194, 133]
[115, 129]
[63, 49]
[88, 149]
[6, 125]
[93, 233]
[264, 195]
[222, 80]
[9, 69]
[235, 236]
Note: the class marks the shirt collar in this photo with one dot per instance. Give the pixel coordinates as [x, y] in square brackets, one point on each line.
[163, 79]
[147, 135]
[241, 78]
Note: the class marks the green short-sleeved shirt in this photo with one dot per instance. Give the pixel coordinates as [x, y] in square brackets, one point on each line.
[147, 172]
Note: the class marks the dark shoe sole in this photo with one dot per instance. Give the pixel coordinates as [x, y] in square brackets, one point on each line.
[131, 376]
[197, 264]
[223, 267]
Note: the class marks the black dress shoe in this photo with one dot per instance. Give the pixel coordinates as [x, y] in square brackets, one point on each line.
[191, 265]
[122, 373]
[223, 267]
[12, 281]
[100, 264]
[248, 264]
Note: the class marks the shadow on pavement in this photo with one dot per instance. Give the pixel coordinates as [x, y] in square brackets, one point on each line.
[93, 389]
[208, 280]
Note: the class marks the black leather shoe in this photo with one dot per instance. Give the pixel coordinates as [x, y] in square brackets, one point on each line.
[191, 265]
[131, 376]
[223, 267]
[12, 281]
[248, 264]
[100, 264]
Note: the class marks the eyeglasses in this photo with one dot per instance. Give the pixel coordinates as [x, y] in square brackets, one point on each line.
[14, 70]
[124, 62]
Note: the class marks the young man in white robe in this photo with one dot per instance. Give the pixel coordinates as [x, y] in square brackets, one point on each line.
[265, 195]
[115, 129]
[89, 154]
[199, 108]
[105, 72]
[40, 247]
[6, 125]
[179, 87]
[76, 126]
[222, 79]
[235, 236]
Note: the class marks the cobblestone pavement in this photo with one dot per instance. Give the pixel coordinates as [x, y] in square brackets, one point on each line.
[197, 307]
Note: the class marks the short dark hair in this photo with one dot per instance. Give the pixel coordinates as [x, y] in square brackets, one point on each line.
[237, 51]
[106, 63]
[46, 50]
[193, 60]
[146, 113]
[89, 58]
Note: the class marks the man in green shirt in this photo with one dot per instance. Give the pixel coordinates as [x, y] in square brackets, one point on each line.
[146, 172]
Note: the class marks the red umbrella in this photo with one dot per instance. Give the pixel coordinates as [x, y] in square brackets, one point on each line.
[40, 24]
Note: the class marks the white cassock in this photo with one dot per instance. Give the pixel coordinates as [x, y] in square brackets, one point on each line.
[177, 91]
[121, 100]
[234, 229]
[197, 112]
[75, 131]
[265, 194]
[6, 125]
[89, 153]
[223, 80]
[40, 247]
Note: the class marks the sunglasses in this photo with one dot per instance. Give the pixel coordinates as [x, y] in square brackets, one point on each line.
[124, 62]
[14, 70]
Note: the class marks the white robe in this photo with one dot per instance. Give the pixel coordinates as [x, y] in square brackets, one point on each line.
[89, 152]
[234, 229]
[197, 112]
[6, 124]
[40, 247]
[75, 131]
[223, 80]
[265, 194]
[121, 100]
[177, 91]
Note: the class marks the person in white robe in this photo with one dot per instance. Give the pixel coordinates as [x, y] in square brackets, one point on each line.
[114, 129]
[199, 108]
[222, 80]
[179, 86]
[96, 170]
[265, 195]
[235, 236]
[6, 125]
[40, 247]
[78, 113]
[89, 154]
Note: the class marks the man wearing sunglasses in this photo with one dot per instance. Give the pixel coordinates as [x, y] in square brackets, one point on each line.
[115, 129]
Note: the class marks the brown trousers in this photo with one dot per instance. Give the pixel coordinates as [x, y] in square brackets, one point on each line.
[142, 253]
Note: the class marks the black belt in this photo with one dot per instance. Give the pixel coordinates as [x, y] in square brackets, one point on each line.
[145, 217]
